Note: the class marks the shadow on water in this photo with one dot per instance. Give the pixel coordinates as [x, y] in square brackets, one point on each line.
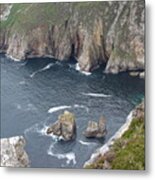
[40, 86]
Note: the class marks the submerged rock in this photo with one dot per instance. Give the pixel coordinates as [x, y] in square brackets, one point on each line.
[97, 130]
[65, 127]
[13, 153]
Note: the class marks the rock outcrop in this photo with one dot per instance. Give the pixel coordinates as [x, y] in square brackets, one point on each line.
[125, 150]
[65, 127]
[110, 33]
[96, 130]
[13, 153]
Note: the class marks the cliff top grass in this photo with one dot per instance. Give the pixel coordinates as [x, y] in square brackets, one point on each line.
[25, 17]
[128, 152]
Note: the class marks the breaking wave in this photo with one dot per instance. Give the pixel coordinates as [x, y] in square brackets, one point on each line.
[48, 66]
[70, 156]
[58, 108]
[77, 67]
[95, 95]
[86, 143]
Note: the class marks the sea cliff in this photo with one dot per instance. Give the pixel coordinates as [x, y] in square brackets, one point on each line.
[94, 33]
[126, 149]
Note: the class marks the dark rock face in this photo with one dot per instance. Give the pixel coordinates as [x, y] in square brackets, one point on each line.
[65, 127]
[139, 111]
[92, 32]
[13, 153]
[97, 130]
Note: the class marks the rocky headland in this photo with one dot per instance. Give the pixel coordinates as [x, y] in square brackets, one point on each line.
[94, 33]
[13, 153]
[126, 149]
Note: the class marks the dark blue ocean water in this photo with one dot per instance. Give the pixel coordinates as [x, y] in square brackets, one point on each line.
[35, 92]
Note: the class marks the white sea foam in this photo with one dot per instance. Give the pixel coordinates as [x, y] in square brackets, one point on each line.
[86, 143]
[82, 107]
[43, 130]
[95, 94]
[33, 74]
[48, 66]
[77, 67]
[40, 129]
[105, 148]
[70, 156]
[58, 108]
[13, 58]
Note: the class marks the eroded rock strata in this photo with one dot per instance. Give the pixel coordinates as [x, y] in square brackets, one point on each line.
[110, 33]
[13, 153]
[126, 149]
[96, 130]
[64, 127]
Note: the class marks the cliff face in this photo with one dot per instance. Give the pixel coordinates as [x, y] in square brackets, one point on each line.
[126, 149]
[13, 153]
[92, 32]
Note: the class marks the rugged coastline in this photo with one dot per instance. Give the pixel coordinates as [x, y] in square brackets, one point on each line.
[109, 35]
[88, 31]
[13, 153]
[104, 157]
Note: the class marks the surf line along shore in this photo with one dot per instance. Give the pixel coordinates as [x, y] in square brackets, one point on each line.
[136, 112]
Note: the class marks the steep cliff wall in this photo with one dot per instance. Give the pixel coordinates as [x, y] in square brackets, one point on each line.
[92, 32]
[126, 149]
[13, 153]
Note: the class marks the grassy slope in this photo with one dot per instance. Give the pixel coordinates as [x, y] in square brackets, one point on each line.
[25, 17]
[128, 152]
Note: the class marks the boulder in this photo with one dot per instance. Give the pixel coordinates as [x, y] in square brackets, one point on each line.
[64, 127]
[92, 129]
[13, 153]
[101, 127]
[96, 130]
[55, 129]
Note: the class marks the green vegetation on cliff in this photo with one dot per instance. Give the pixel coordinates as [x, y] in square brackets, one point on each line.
[128, 152]
[29, 16]
[95, 33]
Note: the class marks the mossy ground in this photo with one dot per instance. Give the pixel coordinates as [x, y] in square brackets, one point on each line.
[129, 150]
[25, 17]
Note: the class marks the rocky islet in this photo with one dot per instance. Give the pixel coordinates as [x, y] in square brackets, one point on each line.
[65, 127]
[114, 39]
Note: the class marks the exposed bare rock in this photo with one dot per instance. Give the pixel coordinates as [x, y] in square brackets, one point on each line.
[92, 32]
[94, 129]
[13, 153]
[5, 11]
[65, 127]
[103, 156]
